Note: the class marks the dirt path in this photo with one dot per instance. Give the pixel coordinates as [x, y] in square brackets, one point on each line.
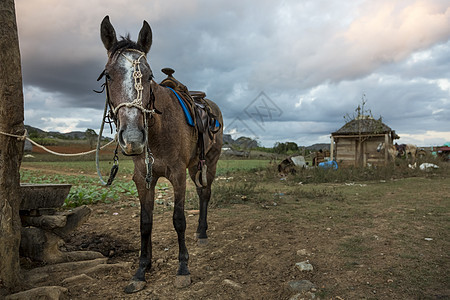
[360, 248]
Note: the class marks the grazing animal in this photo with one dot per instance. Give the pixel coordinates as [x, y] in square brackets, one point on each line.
[407, 149]
[392, 150]
[152, 128]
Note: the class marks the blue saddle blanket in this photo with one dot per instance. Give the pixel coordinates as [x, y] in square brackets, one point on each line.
[187, 113]
[189, 118]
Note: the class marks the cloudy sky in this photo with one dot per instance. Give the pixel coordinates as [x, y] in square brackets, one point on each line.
[280, 70]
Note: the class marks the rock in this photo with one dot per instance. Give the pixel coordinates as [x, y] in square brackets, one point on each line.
[182, 281]
[300, 286]
[106, 268]
[82, 255]
[78, 279]
[304, 266]
[44, 292]
[232, 284]
[75, 267]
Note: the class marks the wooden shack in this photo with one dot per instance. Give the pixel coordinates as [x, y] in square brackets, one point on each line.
[355, 144]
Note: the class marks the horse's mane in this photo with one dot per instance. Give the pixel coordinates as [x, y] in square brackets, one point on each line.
[125, 43]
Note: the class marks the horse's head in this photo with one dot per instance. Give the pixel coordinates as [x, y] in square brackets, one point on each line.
[128, 77]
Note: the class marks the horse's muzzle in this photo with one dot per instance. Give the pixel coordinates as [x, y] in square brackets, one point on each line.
[132, 141]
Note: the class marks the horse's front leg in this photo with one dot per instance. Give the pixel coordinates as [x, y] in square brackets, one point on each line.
[146, 198]
[178, 181]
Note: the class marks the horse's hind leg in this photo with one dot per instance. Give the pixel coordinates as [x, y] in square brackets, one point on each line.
[204, 195]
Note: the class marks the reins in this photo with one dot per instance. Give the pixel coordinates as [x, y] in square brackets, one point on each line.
[136, 103]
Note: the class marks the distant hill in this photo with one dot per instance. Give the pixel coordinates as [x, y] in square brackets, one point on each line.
[36, 132]
[317, 147]
[241, 142]
[73, 135]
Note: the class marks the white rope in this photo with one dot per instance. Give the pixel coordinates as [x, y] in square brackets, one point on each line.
[24, 137]
[70, 154]
[135, 103]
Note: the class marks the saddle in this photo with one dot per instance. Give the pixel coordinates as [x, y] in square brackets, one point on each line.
[202, 118]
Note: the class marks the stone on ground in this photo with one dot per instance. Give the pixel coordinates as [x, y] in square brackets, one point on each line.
[304, 266]
[44, 292]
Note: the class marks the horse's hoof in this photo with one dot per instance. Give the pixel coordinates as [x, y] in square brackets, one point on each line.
[135, 286]
[202, 242]
[182, 281]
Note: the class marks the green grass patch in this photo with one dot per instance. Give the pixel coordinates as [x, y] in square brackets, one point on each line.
[230, 166]
[85, 189]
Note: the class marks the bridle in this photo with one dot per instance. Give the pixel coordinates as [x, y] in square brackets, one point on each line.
[136, 103]
[137, 76]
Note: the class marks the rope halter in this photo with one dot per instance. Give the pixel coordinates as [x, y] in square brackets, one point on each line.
[137, 76]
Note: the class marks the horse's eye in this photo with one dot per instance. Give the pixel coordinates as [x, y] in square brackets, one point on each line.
[108, 77]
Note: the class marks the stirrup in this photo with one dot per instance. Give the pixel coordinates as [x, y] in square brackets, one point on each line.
[203, 172]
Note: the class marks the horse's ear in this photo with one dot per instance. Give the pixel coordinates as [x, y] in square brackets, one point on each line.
[108, 34]
[145, 37]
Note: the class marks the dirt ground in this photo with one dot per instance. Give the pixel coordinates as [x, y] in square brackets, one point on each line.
[253, 249]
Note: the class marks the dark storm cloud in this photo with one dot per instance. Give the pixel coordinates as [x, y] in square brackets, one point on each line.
[314, 59]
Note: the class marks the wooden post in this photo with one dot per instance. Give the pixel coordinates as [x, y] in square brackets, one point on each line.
[332, 148]
[358, 153]
[11, 149]
[386, 147]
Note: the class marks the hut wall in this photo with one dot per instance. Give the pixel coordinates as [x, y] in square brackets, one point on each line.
[372, 157]
[346, 152]
[349, 153]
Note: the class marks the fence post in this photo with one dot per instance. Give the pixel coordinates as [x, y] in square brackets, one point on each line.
[11, 149]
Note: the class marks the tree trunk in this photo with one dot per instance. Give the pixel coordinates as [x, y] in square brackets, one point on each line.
[11, 149]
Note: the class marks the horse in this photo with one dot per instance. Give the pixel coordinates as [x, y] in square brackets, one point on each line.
[407, 149]
[151, 127]
[392, 150]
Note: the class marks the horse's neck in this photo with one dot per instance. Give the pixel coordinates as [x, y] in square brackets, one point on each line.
[160, 105]
[171, 114]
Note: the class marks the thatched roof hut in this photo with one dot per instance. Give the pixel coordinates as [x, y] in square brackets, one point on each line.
[355, 143]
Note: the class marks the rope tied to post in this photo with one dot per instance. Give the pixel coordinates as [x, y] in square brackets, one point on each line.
[25, 137]
[19, 137]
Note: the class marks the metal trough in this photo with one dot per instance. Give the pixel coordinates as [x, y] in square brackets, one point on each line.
[38, 196]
